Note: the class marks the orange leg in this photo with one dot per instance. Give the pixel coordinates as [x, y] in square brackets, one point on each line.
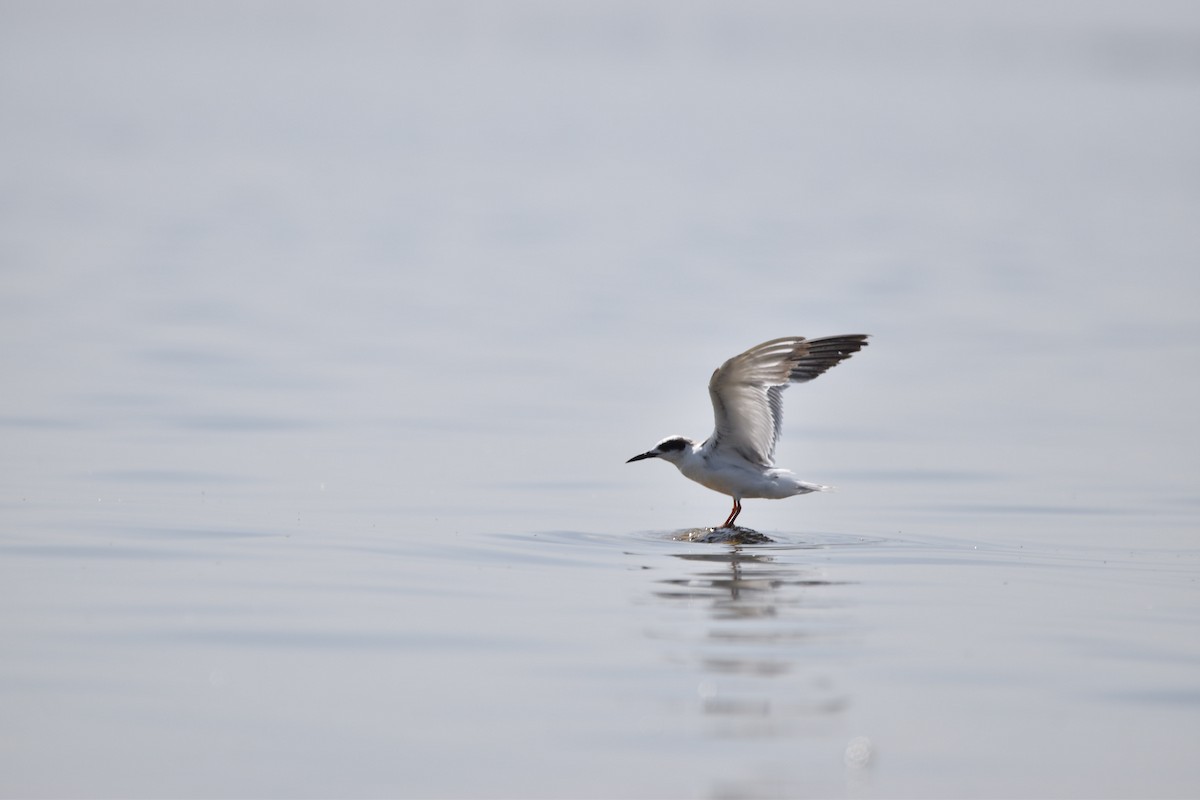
[737, 509]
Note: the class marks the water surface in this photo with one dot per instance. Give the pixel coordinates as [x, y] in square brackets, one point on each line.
[326, 331]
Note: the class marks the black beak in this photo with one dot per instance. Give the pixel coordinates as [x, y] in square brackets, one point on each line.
[647, 454]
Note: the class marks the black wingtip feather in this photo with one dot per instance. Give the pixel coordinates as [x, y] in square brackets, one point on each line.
[825, 353]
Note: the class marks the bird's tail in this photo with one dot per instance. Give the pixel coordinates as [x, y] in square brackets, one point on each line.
[804, 487]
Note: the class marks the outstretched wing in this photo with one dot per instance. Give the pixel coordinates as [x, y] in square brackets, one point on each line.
[747, 390]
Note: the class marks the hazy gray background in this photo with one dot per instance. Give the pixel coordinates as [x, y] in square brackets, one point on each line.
[326, 329]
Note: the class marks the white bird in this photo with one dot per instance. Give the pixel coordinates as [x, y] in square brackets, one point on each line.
[747, 397]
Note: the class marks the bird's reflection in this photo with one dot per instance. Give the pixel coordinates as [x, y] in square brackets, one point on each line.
[741, 583]
[763, 655]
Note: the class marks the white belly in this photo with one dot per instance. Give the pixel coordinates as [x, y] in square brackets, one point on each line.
[740, 482]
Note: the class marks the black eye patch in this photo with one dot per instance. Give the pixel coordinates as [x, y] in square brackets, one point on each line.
[672, 444]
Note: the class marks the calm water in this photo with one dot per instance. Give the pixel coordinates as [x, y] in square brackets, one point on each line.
[327, 330]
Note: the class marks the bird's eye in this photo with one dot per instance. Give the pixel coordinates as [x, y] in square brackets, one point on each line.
[671, 445]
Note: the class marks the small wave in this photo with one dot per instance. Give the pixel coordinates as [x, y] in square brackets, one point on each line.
[752, 538]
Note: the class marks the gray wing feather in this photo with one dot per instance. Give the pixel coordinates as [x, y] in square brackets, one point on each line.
[747, 390]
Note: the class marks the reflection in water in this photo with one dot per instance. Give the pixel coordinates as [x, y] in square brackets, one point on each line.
[768, 652]
[747, 584]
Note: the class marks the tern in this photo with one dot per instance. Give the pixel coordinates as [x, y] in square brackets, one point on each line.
[738, 459]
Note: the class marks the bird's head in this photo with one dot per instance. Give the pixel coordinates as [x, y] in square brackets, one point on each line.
[672, 448]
